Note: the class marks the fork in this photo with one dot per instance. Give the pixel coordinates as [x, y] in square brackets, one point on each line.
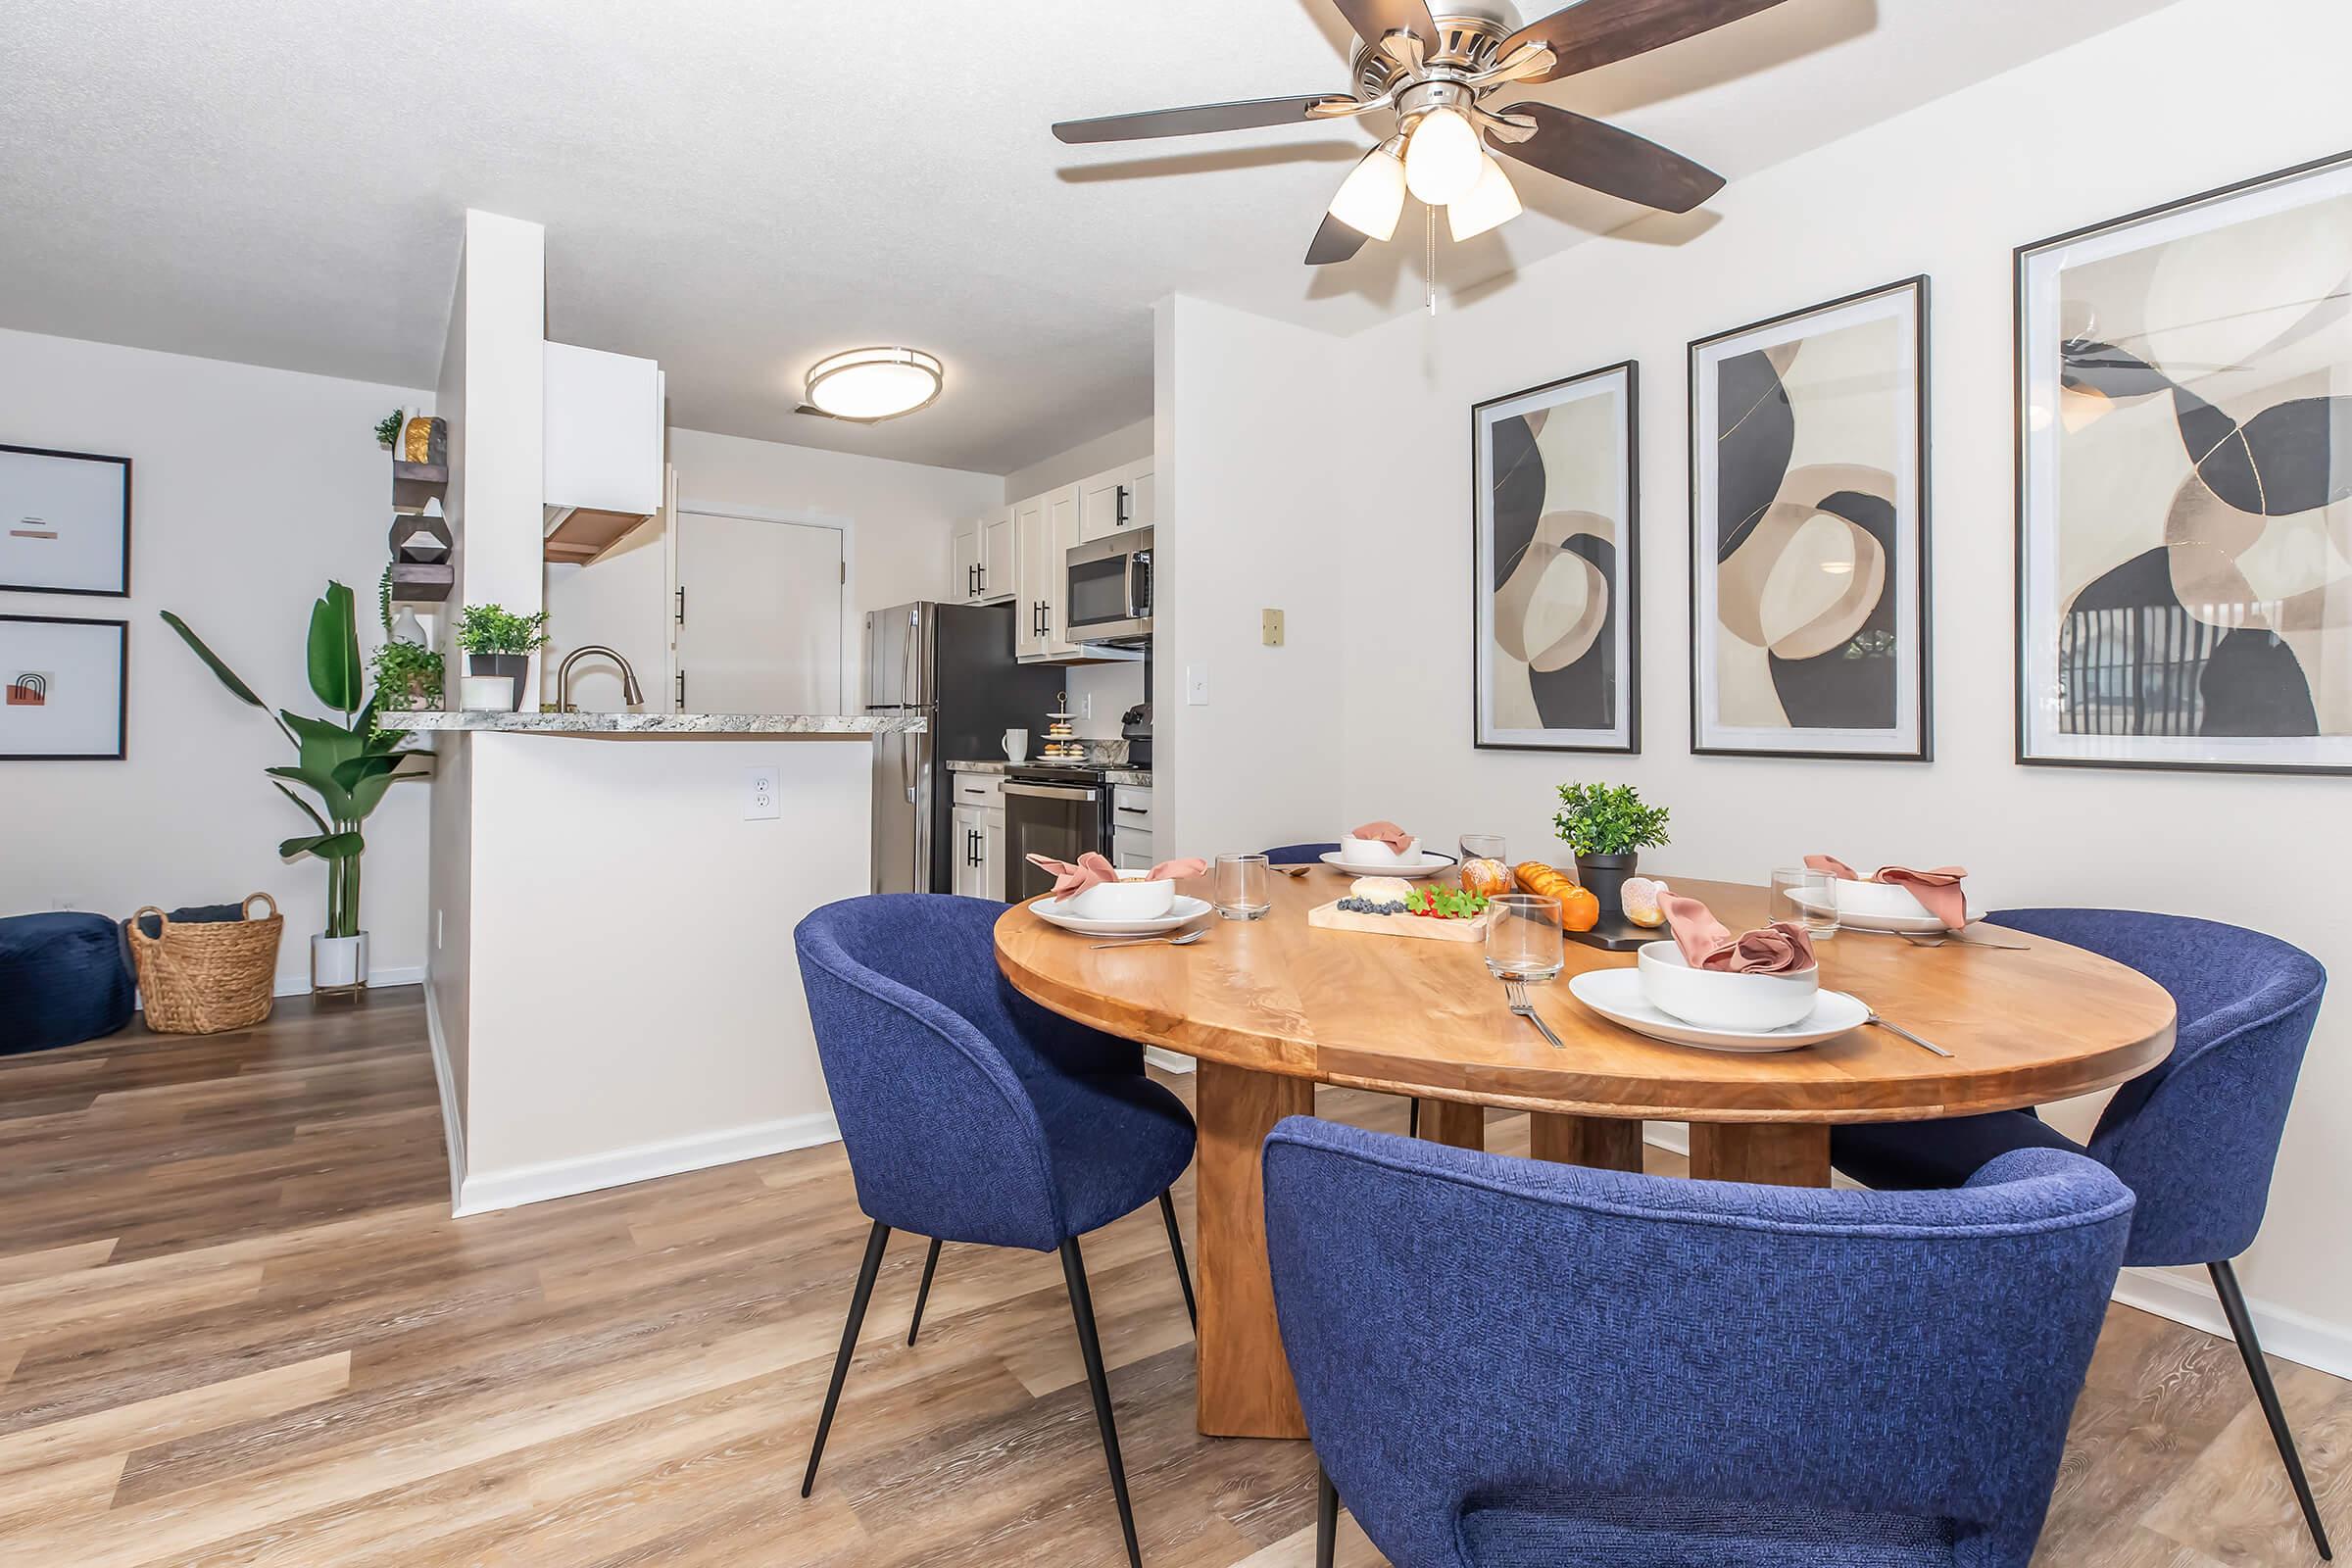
[1184, 940]
[1514, 992]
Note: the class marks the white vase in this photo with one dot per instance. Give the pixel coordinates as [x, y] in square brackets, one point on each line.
[406, 628]
[339, 963]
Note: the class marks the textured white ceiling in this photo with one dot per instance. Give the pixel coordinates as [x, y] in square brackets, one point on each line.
[737, 187]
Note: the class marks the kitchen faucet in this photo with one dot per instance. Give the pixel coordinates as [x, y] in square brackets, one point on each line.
[629, 692]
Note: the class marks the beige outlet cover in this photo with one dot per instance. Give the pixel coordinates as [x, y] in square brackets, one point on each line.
[1270, 628]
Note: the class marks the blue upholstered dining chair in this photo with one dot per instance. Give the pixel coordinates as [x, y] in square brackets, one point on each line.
[1506, 1364]
[1308, 855]
[972, 1114]
[2194, 1138]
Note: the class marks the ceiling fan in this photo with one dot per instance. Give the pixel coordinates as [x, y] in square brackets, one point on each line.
[1436, 73]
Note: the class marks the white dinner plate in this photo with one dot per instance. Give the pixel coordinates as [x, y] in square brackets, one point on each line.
[1186, 912]
[1616, 994]
[1910, 925]
[1427, 864]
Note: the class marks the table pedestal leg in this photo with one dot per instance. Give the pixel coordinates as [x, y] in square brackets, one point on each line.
[1777, 1153]
[1449, 1121]
[1602, 1143]
[1244, 1380]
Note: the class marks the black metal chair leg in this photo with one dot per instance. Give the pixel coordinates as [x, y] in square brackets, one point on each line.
[1184, 1275]
[1327, 1516]
[2241, 1324]
[1413, 1121]
[1082, 1308]
[876, 1239]
[922, 1292]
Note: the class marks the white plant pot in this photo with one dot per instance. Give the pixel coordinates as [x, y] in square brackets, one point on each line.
[339, 963]
[486, 694]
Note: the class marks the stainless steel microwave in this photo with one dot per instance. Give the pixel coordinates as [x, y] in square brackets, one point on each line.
[1111, 589]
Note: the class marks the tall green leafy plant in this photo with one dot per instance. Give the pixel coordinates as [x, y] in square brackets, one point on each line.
[1609, 819]
[347, 766]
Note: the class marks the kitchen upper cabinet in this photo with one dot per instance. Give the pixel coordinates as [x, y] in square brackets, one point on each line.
[1116, 500]
[998, 579]
[1034, 590]
[964, 585]
[1061, 529]
[602, 460]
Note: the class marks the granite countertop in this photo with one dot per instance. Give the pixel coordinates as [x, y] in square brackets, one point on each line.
[1138, 776]
[658, 724]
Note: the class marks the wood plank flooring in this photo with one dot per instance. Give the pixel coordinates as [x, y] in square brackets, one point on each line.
[238, 1327]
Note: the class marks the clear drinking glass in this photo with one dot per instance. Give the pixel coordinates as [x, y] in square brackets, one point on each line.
[1523, 937]
[1804, 898]
[1486, 847]
[1244, 887]
[1486, 863]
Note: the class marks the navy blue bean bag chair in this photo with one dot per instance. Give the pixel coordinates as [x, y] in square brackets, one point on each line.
[61, 981]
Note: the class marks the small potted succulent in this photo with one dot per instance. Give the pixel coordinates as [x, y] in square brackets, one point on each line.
[499, 642]
[1607, 825]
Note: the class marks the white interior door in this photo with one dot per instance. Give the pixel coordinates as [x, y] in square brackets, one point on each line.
[762, 607]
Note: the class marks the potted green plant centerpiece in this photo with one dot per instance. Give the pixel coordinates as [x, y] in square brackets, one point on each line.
[499, 642]
[348, 765]
[1607, 825]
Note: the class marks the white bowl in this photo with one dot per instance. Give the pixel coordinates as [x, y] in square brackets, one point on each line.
[1715, 998]
[1883, 901]
[1376, 852]
[1131, 898]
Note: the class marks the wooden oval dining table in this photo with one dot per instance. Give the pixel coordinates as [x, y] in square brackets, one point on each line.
[1273, 1006]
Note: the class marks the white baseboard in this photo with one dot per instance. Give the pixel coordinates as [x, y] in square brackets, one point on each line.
[453, 1122]
[1168, 1060]
[298, 985]
[480, 1193]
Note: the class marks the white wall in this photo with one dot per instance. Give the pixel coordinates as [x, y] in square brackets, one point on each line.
[1254, 452]
[1081, 461]
[250, 489]
[1949, 189]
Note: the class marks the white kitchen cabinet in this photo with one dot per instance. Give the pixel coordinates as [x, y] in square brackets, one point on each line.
[998, 574]
[1131, 849]
[1033, 583]
[978, 852]
[1116, 500]
[602, 462]
[963, 581]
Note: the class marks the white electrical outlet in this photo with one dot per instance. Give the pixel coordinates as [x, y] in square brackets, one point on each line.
[1196, 685]
[760, 802]
[66, 903]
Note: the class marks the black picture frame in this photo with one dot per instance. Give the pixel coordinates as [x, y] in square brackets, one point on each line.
[1629, 575]
[122, 749]
[1920, 286]
[122, 590]
[2020, 497]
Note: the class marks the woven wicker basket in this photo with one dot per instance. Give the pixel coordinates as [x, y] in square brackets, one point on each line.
[201, 979]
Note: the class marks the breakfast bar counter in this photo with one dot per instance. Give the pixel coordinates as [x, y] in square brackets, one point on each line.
[1271, 1008]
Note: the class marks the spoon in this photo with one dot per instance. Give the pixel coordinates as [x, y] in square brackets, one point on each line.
[1184, 940]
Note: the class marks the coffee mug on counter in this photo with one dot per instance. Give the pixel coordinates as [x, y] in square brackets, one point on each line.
[1016, 745]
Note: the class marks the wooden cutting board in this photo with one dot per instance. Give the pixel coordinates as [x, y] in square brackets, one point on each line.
[1331, 917]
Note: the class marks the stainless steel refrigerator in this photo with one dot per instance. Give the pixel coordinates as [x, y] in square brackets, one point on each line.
[954, 664]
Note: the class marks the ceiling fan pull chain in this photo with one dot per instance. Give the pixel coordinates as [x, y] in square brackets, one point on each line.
[1430, 257]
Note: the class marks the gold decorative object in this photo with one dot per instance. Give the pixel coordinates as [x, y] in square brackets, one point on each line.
[416, 442]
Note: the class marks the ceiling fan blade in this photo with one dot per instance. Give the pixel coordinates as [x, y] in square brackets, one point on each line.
[1601, 32]
[1616, 163]
[1335, 241]
[1245, 115]
[1375, 19]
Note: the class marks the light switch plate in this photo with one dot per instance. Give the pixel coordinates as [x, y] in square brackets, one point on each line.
[761, 801]
[1269, 623]
[1196, 685]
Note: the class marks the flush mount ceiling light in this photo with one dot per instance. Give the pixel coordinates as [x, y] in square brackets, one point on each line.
[1450, 79]
[868, 385]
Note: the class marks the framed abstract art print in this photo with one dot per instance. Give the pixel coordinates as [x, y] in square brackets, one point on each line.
[64, 689]
[1809, 603]
[65, 522]
[1557, 513]
[2185, 484]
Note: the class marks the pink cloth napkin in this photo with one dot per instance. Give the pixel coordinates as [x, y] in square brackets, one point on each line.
[1388, 833]
[1938, 891]
[1091, 870]
[1707, 943]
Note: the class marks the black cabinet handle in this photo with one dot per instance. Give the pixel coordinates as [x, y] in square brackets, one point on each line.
[681, 603]
[1135, 811]
[681, 691]
[1119, 516]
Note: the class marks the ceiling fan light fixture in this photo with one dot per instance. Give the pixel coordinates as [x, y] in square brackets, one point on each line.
[879, 383]
[1490, 204]
[1372, 197]
[1443, 160]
